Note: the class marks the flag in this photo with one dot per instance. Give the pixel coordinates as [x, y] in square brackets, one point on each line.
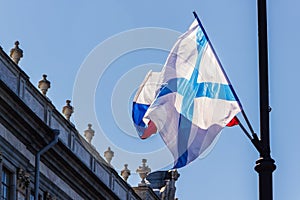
[144, 97]
[194, 101]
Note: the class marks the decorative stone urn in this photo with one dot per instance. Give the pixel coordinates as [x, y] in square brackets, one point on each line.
[16, 53]
[108, 154]
[143, 171]
[68, 110]
[89, 133]
[44, 85]
[125, 173]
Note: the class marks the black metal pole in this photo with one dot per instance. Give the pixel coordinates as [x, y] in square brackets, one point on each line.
[265, 164]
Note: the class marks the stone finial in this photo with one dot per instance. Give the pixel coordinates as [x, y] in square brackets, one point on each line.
[108, 154]
[16, 53]
[143, 171]
[125, 173]
[44, 84]
[68, 110]
[89, 133]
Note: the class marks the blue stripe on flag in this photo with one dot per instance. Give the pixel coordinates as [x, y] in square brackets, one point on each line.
[169, 88]
[181, 161]
[201, 44]
[207, 89]
[138, 112]
[184, 130]
[215, 91]
[190, 140]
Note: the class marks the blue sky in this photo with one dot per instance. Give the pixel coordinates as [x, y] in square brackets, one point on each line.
[59, 36]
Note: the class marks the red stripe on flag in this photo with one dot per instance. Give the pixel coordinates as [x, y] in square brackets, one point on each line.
[233, 122]
[151, 129]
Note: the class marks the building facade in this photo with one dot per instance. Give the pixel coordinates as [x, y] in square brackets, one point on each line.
[70, 169]
[43, 156]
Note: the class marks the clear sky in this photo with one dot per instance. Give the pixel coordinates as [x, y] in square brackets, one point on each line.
[64, 38]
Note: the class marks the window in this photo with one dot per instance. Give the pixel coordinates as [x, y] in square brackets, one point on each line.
[31, 197]
[5, 186]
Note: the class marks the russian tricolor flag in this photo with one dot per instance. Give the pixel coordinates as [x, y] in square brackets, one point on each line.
[189, 102]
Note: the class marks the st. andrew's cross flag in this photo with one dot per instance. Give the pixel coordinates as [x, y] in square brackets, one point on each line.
[189, 102]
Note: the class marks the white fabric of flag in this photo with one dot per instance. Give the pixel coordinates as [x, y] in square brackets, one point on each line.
[194, 101]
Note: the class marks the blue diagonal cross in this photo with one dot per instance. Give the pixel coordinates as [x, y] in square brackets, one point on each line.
[190, 90]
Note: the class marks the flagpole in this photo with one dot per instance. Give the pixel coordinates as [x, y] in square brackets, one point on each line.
[265, 164]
